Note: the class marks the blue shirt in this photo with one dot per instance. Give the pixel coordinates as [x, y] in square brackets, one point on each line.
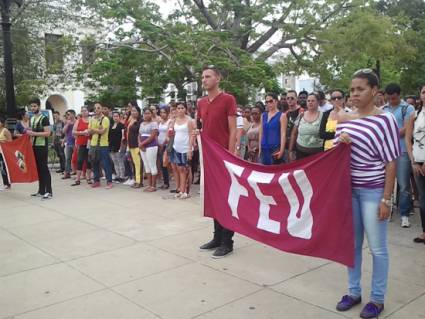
[398, 114]
[271, 131]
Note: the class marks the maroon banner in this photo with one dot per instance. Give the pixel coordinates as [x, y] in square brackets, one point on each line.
[303, 207]
[19, 158]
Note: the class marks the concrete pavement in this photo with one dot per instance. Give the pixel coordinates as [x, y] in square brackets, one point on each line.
[124, 254]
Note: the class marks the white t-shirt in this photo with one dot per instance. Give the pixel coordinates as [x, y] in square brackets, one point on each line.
[419, 138]
[326, 107]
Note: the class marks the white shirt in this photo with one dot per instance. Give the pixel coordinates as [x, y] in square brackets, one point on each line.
[326, 107]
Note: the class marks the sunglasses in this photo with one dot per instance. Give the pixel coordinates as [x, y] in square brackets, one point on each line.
[269, 101]
[334, 98]
[364, 71]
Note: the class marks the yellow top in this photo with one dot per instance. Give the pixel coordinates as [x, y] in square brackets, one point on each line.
[331, 128]
[104, 138]
[2, 135]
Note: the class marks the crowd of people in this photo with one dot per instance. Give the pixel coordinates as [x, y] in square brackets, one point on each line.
[138, 148]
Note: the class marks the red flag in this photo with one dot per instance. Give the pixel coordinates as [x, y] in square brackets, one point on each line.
[302, 207]
[20, 161]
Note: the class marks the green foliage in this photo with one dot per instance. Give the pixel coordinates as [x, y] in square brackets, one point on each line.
[409, 17]
[29, 25]
[238, 37]
[361, 39]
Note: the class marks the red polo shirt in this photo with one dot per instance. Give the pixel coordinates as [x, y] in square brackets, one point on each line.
[214, 116]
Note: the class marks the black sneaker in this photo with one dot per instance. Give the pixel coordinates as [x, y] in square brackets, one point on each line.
[213, 244]
[221, 252]
[36, 195]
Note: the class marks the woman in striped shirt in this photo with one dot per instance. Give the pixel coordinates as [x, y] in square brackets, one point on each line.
[373, 136]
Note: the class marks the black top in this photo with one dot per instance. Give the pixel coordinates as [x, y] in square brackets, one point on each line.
[133, 135]
[38, 125]
[115, 137]
[322, 131]
[291, 116]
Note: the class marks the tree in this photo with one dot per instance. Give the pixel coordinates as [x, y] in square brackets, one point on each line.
[361, 39]
[30, 22]
[408, 16]
[237, 36]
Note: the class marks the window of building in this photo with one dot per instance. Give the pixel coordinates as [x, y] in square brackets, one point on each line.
[54, 53]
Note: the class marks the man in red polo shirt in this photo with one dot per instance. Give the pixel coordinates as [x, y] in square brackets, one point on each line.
[217, 112]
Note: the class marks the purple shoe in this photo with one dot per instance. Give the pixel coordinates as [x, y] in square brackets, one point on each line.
[371, 310]
[347, 302]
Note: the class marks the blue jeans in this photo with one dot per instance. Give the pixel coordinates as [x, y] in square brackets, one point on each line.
[69, 149]
[365, 216]
[404, 170]
[105, 159]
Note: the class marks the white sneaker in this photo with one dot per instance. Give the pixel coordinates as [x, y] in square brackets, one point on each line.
[46, 196]
[184, 196]
[127, 182]
[132, 182]
[405, 222]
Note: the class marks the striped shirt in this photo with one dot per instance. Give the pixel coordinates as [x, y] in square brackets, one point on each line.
[374, 143]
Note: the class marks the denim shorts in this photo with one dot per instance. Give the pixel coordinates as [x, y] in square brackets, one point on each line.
[180, 159]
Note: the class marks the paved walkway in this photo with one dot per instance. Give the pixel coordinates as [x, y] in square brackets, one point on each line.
[124, 254]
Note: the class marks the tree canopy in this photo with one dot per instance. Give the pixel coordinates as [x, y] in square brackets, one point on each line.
[137, 51]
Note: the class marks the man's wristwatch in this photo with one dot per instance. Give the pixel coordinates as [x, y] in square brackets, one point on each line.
[386, 201]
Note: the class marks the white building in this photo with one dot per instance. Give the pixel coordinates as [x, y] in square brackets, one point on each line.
[63, 91]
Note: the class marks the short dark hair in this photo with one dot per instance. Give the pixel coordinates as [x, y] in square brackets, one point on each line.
[2, 119]
[213, 68]
[338, 90]
[292, 91]
[133, 103]
[320, 95]
[71, 111]
[56, 112]
[411, 97]
[260, 105]
[20, 114]
[273, 95]
[315, 94]
[303, 92]
[393, 88]
[369, 75]
[35, 100]
[181, 103]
